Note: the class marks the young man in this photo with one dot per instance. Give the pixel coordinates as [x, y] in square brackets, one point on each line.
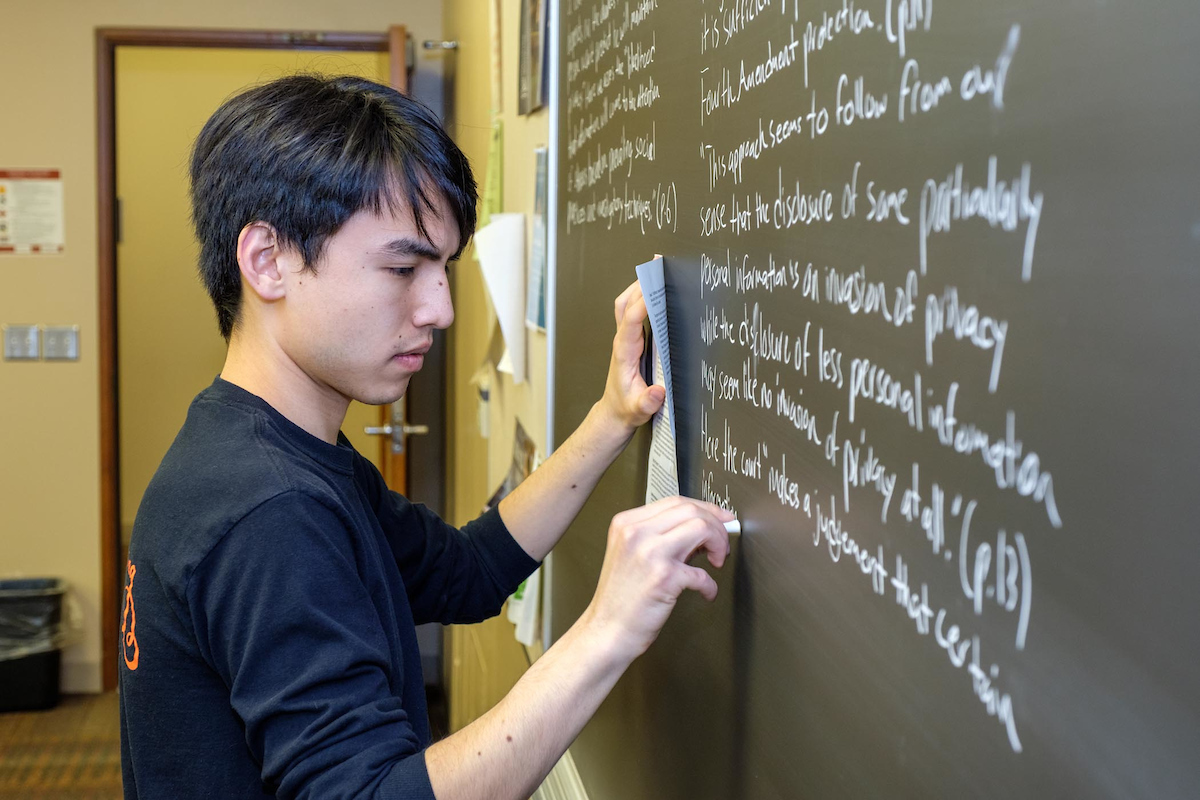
[268, 641]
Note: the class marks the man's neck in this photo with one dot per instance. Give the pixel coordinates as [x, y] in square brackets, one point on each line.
[263, 369]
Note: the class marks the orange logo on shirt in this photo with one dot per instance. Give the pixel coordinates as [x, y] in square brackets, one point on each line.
[128, 617]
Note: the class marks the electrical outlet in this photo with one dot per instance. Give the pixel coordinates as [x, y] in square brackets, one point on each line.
[21, 343]
[60, 342]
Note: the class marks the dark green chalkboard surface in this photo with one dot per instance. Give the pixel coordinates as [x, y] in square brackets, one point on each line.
[933, 271]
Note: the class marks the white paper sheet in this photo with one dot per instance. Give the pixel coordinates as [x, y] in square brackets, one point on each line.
[500, 246]
[523, 608]
[505, 364]
[663, 474]
[654, 289]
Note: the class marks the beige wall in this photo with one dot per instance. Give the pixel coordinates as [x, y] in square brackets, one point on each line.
[484, 661]
[49, 412]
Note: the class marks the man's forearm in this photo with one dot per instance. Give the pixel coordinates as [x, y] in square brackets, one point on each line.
[508, 751]
[538, 511]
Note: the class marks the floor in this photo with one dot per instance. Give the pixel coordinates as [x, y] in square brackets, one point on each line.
[71, 752]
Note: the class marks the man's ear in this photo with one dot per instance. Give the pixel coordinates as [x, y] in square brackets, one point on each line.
[259, 256]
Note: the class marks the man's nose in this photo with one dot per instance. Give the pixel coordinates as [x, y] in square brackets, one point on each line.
[434, 306]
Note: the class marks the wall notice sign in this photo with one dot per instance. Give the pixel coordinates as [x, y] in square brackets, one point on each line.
[31, 211]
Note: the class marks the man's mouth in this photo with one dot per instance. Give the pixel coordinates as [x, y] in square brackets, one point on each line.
[412, 360]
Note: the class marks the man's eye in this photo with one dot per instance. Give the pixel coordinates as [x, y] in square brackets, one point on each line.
[402, 272]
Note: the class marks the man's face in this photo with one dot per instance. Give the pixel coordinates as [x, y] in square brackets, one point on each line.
[362, 323]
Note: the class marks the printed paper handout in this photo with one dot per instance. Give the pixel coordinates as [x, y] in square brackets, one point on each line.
[662, 478]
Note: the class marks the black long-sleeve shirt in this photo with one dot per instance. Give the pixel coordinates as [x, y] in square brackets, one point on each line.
[268, 640]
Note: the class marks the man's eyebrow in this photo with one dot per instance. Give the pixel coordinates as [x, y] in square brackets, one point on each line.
[408, 246]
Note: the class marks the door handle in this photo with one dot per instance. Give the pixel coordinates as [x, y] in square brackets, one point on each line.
[398, 429]
[388, 430]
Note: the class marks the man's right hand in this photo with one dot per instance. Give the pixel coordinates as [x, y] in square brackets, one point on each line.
[645, 569]
[509, 750]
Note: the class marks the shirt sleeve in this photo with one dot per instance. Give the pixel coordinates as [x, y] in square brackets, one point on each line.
[281, 613]
[452, 576]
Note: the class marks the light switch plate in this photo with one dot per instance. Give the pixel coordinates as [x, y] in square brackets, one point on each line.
[21, 343]
[60, 342]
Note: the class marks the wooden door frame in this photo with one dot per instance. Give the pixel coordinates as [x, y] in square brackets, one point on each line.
[393, 41]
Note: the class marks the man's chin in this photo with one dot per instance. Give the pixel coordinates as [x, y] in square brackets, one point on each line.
[381, 396]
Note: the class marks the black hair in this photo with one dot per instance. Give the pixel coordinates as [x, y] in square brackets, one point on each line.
[305, 153]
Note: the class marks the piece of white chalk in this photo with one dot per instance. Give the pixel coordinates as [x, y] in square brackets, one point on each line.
[733, 527]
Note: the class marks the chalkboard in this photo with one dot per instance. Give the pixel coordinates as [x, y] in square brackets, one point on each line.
[933, 273]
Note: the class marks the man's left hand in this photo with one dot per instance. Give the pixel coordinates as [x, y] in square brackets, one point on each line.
[628, 402]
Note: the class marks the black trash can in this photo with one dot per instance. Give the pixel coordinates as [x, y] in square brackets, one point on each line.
[32, 634]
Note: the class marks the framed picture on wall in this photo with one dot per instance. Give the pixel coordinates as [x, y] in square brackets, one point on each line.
[531, 74]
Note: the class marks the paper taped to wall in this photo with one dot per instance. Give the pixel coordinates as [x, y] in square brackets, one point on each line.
[662, 478]
[523, 608]
[500, 246]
